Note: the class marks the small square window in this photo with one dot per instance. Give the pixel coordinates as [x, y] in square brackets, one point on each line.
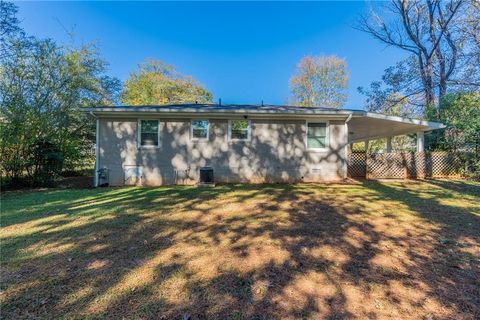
[316, 135]
[199, 129]
[240, 129]
[149, 133]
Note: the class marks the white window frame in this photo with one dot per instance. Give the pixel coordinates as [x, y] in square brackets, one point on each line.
[249, 131]
[327, 135]
[191, 130]
[139, 135]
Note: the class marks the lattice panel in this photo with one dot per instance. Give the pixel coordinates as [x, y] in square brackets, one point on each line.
[357, 166]
[434, 165]
[417, 164]
[405, 165]
[444, 164]
[385, 166]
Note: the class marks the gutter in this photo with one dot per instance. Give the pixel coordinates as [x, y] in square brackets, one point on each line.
[219, 111]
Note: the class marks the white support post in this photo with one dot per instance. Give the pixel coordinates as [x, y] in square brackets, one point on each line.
[389, 144]
[420, 141]
[366, 160]
[345, 151]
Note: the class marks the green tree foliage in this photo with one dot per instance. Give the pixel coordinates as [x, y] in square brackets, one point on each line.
[43, 88]
[320, 82]
[8, 25]
[397, 93]
[401, 108]
[404, 143]
[461, 114]
[157, 83]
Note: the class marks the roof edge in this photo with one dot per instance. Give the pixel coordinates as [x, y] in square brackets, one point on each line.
[217, 110]
[307, 111]
[431, 124]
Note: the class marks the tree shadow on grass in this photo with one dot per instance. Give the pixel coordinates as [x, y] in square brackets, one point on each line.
[461, 186]
[233, 251]
[451, 269]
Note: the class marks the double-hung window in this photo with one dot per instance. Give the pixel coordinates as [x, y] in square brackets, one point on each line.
[199, 129]
[317, 135]
[149, 133]
[239, 129]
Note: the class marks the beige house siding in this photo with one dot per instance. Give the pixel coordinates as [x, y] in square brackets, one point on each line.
[276, 153]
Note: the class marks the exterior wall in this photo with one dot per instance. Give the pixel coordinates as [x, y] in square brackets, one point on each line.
[276, 153]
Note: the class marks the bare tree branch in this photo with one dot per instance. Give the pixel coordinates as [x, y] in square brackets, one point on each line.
[430, 30]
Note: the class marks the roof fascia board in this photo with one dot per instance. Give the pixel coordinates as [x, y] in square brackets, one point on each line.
[432, 125]
[215, 115]
[218, 111]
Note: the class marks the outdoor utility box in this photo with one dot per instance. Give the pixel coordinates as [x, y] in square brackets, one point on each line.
[102, 175]
[206, 176]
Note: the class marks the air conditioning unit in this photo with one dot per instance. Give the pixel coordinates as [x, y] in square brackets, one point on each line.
[206, 177]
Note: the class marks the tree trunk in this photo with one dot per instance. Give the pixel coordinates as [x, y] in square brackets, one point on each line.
[426, 71]
[442, 85]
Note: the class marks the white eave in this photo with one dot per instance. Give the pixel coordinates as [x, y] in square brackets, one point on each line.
[368, 126]
[175, 111]
[362, 125]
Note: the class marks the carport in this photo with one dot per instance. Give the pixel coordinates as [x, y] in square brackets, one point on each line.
[365, 126]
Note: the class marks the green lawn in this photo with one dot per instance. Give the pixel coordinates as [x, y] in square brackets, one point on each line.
[364, 250]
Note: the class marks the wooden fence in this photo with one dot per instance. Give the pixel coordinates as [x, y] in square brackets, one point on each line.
[415, 165]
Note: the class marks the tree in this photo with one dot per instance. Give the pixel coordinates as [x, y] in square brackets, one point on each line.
[438, 37]
[389, 93]
[320, 81]
[9, 27]
[461, 114]
[158, 83]
[43, 88]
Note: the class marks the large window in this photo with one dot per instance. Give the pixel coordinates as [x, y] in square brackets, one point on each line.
[239, 129]
[199, 129]
[316, 135]
[149, 133]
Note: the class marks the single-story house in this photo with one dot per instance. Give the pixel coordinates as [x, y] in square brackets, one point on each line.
[169, 144]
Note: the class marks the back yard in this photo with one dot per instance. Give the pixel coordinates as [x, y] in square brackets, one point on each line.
[367, 250]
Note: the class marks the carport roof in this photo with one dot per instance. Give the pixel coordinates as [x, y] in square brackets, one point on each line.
[362, 125]
[367, 126]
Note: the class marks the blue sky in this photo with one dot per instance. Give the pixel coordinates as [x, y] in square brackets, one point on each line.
[243, 52]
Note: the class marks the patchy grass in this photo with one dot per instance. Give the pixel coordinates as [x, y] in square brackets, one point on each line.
[366, 250]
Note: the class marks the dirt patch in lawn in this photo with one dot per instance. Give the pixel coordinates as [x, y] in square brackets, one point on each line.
[368, 250]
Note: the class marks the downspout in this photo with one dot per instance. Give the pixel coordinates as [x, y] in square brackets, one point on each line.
[97, 158]
[349, 118]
